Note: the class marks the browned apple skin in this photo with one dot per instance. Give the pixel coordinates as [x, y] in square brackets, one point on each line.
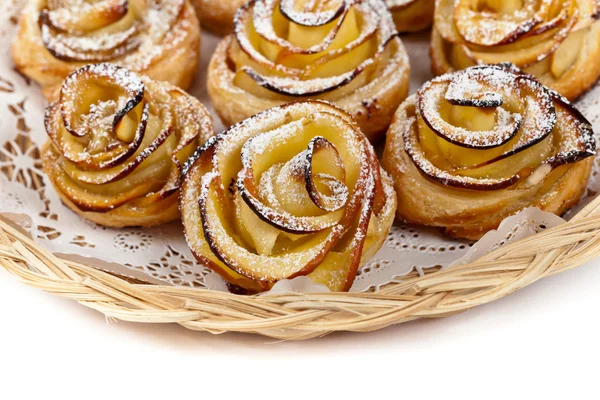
[177, 65]
[202, 161]
[420, 196]
[582, 76]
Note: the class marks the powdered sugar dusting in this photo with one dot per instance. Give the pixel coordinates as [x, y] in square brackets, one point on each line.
[375, 26]
[541, 118]
[131, 33]
[276, 156]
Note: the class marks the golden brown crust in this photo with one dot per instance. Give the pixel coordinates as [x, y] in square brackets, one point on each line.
[412, 15]
[581, 74]
[217, 15]
[468, 212]
[296, 190]
[371, 98]
[173, 59]
[124, 216]
[119, 164]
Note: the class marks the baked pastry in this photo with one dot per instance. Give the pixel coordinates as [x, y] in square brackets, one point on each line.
[558, 41]
[217, 15]
[293, 191]
[346, 52]
[118, 142]
[157, 38]
[474, 147]
[411, 15]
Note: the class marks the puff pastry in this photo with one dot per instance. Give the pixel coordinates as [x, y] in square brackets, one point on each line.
[411, 15]
[558, 41]
[346, 52]
[158, 38]
[296, 190]
[217, 15]
[118, 142]
[475, 146]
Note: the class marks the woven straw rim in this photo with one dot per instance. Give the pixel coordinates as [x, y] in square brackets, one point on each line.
[295, 316]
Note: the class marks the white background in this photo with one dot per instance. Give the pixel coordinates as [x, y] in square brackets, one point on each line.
[541, 342]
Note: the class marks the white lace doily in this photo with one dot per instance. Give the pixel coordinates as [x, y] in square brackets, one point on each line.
[160, 255]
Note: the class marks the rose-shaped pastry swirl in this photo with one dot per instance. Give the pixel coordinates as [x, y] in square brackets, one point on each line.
[295, 190]
[411, 15]
[558, 41]
[343, 51]
[118, 143]
[475, 146]
[159, 38]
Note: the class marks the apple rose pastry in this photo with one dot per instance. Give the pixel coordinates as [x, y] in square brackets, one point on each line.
[118, 143]
[344, 51]
[158, 38]
[473, 147]
[558, 41]
[295, 190]
[411, 15]
[217, 15]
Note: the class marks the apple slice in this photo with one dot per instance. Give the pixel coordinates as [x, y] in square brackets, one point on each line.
[62, 16]
[302, 260]
[110, 42]
[527, 51]
[94, 92]
[567, 53]
[498, 23]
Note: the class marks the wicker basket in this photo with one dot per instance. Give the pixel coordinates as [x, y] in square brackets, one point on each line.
[295, 316]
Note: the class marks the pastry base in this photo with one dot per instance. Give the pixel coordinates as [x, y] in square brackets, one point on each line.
[217, 15]
[120, 217]
[414, 17]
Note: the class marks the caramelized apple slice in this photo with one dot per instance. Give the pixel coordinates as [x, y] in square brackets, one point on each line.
[290, 86]
[566, 54]
[552, 133]
[421, 161]
[325, 175]
[297, 217]
[310, 16]
[86, 122]
[110, 42]
[527, 51]
[573, 136]
[300, 162]
[199, 165]
[262, 16]
[301, 260]
[489, 86]
[498, 22]
[67, 17]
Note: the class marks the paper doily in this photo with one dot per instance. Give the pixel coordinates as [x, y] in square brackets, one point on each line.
[160, 255]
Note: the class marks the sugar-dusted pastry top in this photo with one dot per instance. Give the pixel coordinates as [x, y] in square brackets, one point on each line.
[555, 40]
[295, 190]
[118, 142]
[282, 52]
[58, 36]
[482, 143]
[344, 51]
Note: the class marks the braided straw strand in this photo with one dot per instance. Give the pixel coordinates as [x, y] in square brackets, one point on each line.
[298, 316]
